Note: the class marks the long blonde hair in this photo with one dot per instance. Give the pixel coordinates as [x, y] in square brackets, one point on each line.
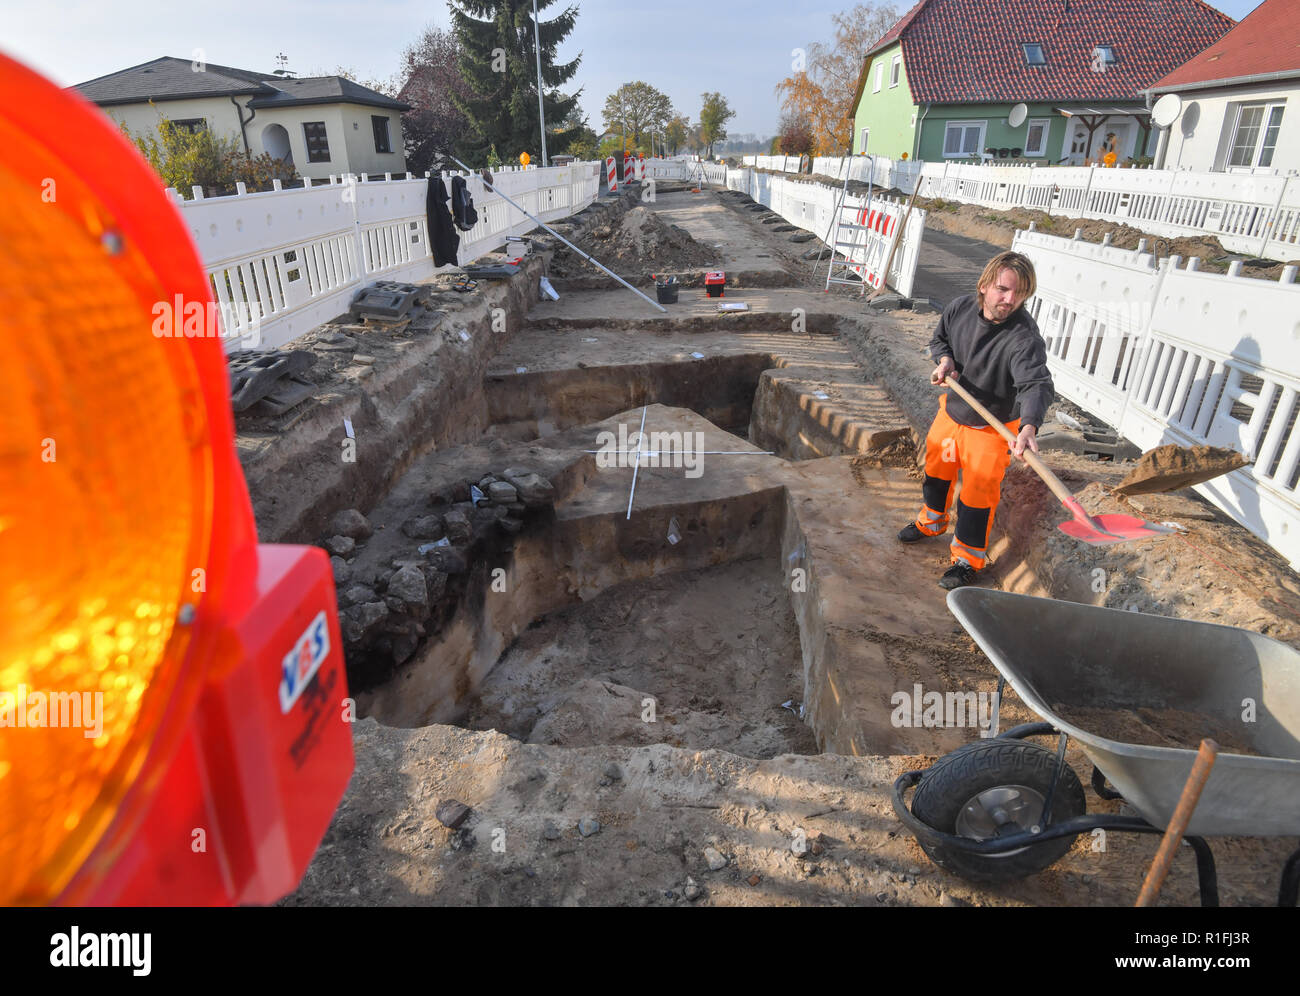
[1018, 264]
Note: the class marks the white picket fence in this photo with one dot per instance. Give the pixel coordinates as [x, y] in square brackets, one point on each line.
[672, 167]
[284, 261]
[1259, 215]
[811, 206]
[1170, 354]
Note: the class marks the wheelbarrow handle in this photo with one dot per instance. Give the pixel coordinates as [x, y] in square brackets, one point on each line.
[1029, 456]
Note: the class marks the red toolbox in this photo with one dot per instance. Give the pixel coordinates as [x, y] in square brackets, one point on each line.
[714, 282]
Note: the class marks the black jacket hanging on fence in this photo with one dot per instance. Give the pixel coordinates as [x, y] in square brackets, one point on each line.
[462, 204]
[443, 239]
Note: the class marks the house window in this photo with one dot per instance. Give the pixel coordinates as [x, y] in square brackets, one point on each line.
[380, 126]
[1103, 55]
[866, 132]
[318, 145]
[190, 125]
[895, 69]
[880, 77]
[1036, 137]
[1254, 137]
[963, 139]
[1034, 55]
[1271, 129]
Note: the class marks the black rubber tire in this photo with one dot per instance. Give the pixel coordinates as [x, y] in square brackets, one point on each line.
[958, 777]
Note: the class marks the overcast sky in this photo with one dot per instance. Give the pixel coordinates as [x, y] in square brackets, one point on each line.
[683, 47]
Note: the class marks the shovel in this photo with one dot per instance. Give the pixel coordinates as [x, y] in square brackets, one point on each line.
[1098, 529]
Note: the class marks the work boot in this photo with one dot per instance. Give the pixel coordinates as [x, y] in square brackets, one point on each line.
[910, 534]
[958, 575]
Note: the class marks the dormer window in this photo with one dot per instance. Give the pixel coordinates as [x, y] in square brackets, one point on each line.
[1034, 55]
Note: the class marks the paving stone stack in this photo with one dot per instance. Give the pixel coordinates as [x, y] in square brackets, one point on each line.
[454, 543]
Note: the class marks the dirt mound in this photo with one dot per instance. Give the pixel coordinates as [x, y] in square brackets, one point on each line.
[639, 241]
[1168, 468]
[899, 451]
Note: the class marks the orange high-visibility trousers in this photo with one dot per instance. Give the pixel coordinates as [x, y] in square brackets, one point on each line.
[981, 457]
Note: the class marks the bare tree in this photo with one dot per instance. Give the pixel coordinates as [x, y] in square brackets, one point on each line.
[431, 75]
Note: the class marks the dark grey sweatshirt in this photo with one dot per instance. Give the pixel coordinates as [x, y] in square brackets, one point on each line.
[1003, 366]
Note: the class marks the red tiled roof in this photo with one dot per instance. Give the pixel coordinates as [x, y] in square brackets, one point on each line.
[891, 36]
[969, 51]
[1266, 41]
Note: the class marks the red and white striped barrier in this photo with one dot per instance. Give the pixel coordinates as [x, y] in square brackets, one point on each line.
[629, 169]
[640, 168]
[883, 224]
[611, 175]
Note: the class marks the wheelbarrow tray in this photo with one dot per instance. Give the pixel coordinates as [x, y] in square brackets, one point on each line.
[1065, 654]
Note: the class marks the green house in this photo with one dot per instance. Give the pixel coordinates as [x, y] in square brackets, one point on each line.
[942, 83]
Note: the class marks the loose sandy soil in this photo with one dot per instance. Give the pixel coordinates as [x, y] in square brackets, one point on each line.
[639, 240]
[716, 651]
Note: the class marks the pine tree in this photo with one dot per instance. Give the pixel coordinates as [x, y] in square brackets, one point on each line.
[499, 61]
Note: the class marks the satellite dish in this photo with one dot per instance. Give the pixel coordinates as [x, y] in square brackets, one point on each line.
[1017, 116]
[1166, 110]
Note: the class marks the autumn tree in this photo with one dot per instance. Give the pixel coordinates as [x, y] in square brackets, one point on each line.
[795, 136]
[498, 61]
[714, 115]
[821, 88]
[636, 108]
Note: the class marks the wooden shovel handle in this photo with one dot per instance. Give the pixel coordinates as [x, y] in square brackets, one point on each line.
[1177, 828]
[1029, 456]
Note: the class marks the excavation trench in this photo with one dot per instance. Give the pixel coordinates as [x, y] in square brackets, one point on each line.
[732, 583]
[682, 623]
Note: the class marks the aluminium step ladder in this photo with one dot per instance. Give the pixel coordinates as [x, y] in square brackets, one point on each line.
[848, 235]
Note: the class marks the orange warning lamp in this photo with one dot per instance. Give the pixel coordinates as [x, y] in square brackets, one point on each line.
[525, 158]
[149, 753]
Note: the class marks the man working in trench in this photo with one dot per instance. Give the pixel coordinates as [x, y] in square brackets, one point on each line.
[992, 346]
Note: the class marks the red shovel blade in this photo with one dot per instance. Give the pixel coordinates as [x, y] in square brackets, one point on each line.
[1112, 527]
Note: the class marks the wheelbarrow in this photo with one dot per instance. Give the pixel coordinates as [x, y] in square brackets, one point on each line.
[1004, 807]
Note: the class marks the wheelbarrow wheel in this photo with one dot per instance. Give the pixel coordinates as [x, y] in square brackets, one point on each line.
[996, 783]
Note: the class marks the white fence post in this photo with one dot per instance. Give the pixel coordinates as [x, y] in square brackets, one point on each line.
[352, 193]
[1271, 222]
